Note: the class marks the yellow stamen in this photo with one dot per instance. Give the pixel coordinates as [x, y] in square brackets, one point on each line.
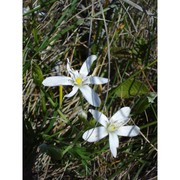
[112, 128]
[78, 81]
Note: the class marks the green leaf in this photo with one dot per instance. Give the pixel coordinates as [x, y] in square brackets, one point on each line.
[81, 152]
[144, 102]
[51, 122]
[141, 105]
[37, 74]
[67, 149]
[43, 101]
[130, 88]
[36, 36]
[51, 150]
[151, 97]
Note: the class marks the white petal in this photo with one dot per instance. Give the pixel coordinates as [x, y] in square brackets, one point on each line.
[95, 134]
[70, 71]
[75, 74]
[85, 68]
[57, 81]
[122, 115]
[100, 117]
[90, 96]
[68, 65]
[96, 80]
[113, 143]
[72, 93]
[129, 131]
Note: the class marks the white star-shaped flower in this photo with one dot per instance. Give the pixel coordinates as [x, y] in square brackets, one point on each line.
[113, 127]
[79, 80]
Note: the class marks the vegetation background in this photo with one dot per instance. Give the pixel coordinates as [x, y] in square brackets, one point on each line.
[123, 35]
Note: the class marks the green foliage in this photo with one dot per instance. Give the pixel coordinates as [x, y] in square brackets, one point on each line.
[130, 88]
[51, 150]
[37, 74]
[144, 102]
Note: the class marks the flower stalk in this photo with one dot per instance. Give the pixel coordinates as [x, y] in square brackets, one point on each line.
[60, 96]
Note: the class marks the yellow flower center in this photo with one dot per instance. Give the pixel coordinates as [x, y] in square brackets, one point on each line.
[112, 128]
[78, 81]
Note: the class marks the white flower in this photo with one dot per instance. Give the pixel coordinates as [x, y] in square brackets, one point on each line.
[79, 80]
[112, 127]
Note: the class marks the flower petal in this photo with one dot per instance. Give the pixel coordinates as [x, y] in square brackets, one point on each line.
[90, 96]
[95, 134]
[68, 65]
[122, 115]
[70, 71]
[129, 131]
[72, 93]
[100, 117]
[57, 81]
[85, 68]
[96, 80]
[113, 143]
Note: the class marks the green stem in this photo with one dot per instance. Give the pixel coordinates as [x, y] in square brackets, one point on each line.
[81, 99]
[60, 96]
